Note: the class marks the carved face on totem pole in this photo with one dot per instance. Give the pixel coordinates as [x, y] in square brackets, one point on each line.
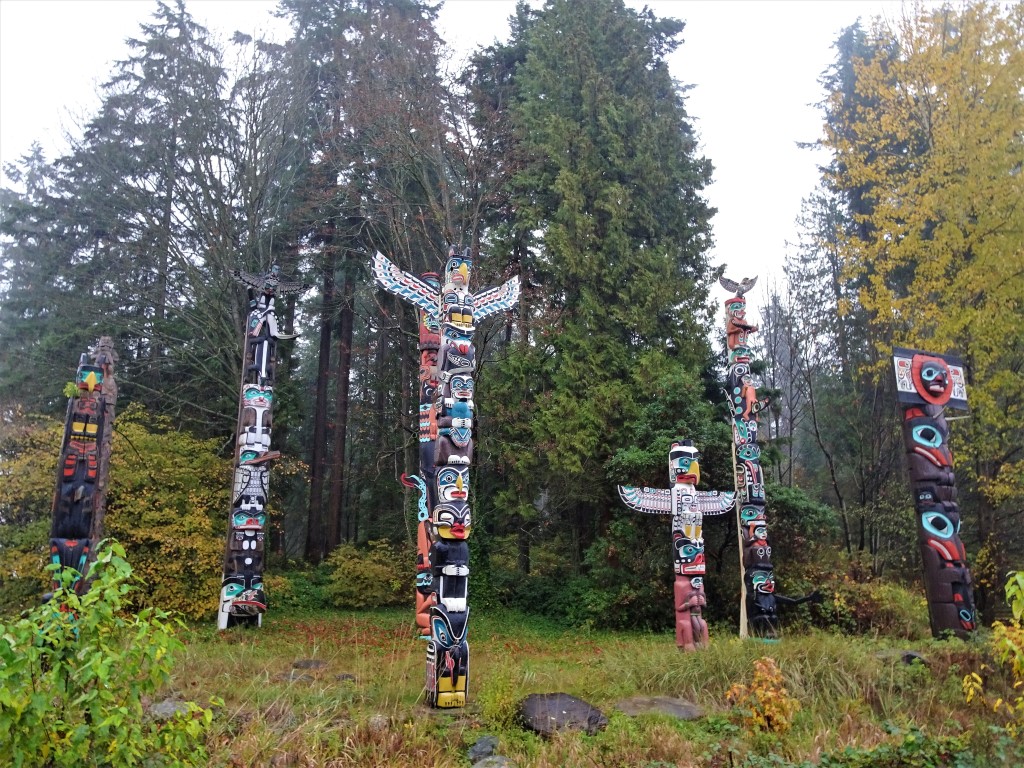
[457, 346]
[925, 435]
[688, 546]
[756, 550]
[763, 582]
[929, 379]
[452, 483]
[457, 269]
[736, 310]
[244, 593]
[448, 655]
[683, 463]
[458, 396]
[89, 378]
[452, 520]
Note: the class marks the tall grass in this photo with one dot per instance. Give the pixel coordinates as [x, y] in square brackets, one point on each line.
[853, 692]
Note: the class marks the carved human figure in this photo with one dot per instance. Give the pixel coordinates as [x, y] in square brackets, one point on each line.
[687, 506]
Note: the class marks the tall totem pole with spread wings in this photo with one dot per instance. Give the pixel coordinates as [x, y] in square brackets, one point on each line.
[447, 361]
[758, 605]
[687, 506]
[242, 598]
[927, 384]
[79, 499]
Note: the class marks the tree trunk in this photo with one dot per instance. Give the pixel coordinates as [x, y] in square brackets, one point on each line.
[334, 526]
[315, 549]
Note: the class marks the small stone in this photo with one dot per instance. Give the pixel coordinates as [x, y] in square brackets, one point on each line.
[660, 705]
[484, 747]
[291, 676]
[167, 709]
[494, 761]
[309, 664]
[378, 723]
[345, 677]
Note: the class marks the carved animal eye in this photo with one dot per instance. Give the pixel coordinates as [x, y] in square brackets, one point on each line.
[937, 524]
[927, 435]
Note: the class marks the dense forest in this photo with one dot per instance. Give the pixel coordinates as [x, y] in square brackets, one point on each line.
[564, 155]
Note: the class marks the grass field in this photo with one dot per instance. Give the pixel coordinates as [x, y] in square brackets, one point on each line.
[363, 707]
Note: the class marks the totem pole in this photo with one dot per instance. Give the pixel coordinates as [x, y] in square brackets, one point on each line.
[757, 603]
[425, 482]
[687, 506]
[79, 499]
[242, 599]
[444, 479]
[926, 384]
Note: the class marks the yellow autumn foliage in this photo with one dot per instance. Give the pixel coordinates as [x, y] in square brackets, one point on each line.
[29, 454]
[168, 504]
[936, 140]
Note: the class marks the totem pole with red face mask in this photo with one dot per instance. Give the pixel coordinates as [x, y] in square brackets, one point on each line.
[927, 384]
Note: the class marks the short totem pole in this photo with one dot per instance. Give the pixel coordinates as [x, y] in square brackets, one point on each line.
[758, 608]
[446, 422]
[687, 506]
[926, 384]
[79, 499]
[242, 598]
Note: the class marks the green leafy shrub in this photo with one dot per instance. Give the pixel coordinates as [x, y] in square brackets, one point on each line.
[375, 576]
[1007, 645]
[872, 607]
[297, 585]
[73, 682]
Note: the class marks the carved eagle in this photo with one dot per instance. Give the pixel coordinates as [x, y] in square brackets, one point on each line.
[739, 288]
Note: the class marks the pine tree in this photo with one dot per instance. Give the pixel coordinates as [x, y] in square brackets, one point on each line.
[612, 233]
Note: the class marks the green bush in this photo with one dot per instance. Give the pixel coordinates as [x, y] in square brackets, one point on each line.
[73, 680]
[872, 607]
[297, 585]
[372, 577]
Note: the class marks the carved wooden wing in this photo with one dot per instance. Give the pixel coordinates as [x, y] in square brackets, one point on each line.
[498, 299]
[405, 286]
[715, 502]
[654, 501]
[247, 279]
[290, 286]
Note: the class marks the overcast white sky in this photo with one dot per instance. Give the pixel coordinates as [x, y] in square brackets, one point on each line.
[753, 65]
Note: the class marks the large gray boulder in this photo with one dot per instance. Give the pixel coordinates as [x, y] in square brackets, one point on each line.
[548, 713]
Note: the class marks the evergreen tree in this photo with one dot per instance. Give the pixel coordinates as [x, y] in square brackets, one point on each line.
[612, 232]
